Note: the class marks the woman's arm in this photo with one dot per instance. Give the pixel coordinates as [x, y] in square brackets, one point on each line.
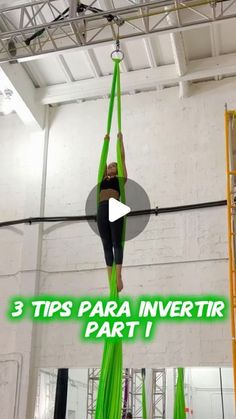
[106, 138]
[120, 137]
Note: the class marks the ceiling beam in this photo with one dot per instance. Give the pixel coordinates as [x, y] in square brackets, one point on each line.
[15, 78]
[65, 68]
[35, 75]
[215, 46]
[177, 44]
[197, 70]
[180, 62]
[92, 62]
[150, 52]
[151, 56]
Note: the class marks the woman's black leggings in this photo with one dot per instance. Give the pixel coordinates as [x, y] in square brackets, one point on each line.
[111, 235]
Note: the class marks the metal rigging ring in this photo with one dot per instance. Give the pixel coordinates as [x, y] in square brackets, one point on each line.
[117, 51]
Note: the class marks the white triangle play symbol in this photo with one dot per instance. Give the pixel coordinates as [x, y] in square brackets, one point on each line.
[117, 210]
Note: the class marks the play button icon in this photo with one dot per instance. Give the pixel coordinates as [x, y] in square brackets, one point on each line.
[113, 209]
[117, 210]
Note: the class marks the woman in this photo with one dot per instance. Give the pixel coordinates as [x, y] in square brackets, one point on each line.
[111, 232]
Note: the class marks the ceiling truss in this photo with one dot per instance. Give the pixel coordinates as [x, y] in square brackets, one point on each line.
[18, 23]
[141, 19]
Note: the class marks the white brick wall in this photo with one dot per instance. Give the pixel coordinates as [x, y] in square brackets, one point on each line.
[175, 149]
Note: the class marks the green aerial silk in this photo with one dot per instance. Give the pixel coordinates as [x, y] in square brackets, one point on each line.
[179, 405]
[109, 397]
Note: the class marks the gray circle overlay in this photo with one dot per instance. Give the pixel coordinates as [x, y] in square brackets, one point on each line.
[136, 198]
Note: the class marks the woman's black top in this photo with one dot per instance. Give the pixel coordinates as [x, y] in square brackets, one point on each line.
[110, 183]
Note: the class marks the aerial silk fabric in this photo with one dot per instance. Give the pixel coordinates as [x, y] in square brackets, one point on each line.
[179, 404]
[109, 397]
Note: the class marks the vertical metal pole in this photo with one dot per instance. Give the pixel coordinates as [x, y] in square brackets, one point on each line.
[164, 396]
[230, 250]
[132, 390]
[87, 396]
[61, 394]
[222, 397]
[154, 379]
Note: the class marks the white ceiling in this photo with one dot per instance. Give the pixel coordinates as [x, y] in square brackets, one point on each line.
[196, 54]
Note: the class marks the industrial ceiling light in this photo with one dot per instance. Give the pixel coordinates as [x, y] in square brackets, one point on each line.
[7, 105]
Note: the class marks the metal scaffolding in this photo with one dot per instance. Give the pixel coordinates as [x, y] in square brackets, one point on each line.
[159, 393]
[93, 381]
[137, 394]
[59, 31]
[127, 384]
[230, 137]
[134, 400]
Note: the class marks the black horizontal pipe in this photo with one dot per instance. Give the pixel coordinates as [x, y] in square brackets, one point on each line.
[154, 211]
[193, 206]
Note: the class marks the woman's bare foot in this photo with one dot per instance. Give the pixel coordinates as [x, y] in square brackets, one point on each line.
[109, 271]
[120, 284]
